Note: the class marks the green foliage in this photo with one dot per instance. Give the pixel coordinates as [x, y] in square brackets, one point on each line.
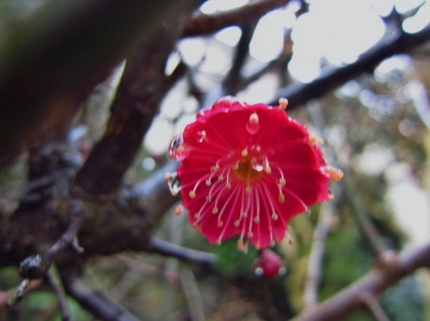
[233, 262]
[404, 301]
[346, 260]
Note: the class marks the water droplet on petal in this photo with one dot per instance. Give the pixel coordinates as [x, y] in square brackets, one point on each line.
[177, 148]
[173, 183]
[258, 163]
[253, 125]
[200, 136]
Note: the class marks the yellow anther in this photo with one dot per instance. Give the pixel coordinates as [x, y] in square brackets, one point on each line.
[283, 103]
[333, 173]
[192, 194]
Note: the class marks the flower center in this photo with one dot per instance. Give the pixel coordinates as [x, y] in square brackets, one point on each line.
[248, 170]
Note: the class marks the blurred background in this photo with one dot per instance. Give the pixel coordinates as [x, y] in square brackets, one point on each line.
[357, 75]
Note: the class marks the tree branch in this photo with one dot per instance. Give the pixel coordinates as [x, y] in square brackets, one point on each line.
[201, 24]
[97, 303]
[300, 93]
[36, 266]
[142, 86]
[169, 249]
[50, 61]
[371, 285]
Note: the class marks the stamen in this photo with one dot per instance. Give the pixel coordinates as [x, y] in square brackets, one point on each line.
[244, 153]
[200, 136]
[256, 219]
[313, 140]
[178, 209]
[192, 194]
[333, 173]
[281, 198]
[242, 246]
[253, 126]
[275, 216]
[215, 210]
[283, 103]
[281, 182]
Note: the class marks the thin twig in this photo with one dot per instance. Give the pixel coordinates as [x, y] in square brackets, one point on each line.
[97, 302]
[232, 81]
[192, 293]
[376, 309]
[36, 266]
[301, 93]
[169, 249]
[201, 24]
[57, 286]
[317, 254]
[364, 222]
[372, 284]
[14, 295]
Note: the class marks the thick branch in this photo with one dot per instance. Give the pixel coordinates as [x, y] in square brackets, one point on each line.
[300, 93]
[51, 60]
[371, 285]
[202, 24]
[141, 88]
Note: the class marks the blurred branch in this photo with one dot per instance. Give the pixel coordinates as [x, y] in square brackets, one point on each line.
[169, 249]
[317, 255]
[97, 303]
[232, 81]
[300, 93]
[36, 266]
[372, 284]
[376, 309]
[192, 294]
[364, 222]
[201, 24]
[50, 61]
[142, 86]
[57, 286]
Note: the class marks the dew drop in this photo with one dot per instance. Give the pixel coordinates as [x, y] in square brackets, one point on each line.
[200, 136]
[252, 126]
[177, 148]
[173, 183]
[257, 164]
